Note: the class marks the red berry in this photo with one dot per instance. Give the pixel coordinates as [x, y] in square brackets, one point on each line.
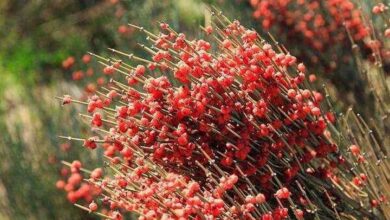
[316, 111]
[301, 67]
[90, 143]
[250, 199]
[387, 33]
[354, 149]
[68, 62]
[183, 139]
[122, 183]
[86, 58]
[60, 184]
[282, 193]
[164, 26]
[97, 119]
[93, 206]
[108, 70]
[140, 70]
[298, 213]
[226, 43]
[66, 100]
[76, 164]
[291, 93]
[96, 173]
[123, 29]
[312, 78]
[209, 29]
[260, 198]
[266, 217]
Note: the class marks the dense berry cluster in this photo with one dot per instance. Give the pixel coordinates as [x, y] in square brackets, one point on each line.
[74, 185]
[223, 128]
[320, 24]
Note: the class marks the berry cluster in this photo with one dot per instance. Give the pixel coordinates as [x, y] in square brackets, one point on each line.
[320, 24]
[221, 128]
[74, 186]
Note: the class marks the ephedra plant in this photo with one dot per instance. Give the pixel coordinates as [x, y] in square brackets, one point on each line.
[226, 127]
[321, 32]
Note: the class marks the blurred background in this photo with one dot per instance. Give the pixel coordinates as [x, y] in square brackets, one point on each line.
[41, 48]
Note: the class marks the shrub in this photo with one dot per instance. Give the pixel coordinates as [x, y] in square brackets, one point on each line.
[227, 127]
